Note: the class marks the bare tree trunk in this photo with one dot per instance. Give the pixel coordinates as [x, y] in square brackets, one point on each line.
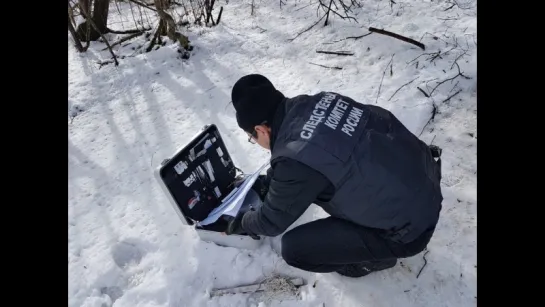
[100, 15]
[85, 5]
[170, 25]
[74, 36]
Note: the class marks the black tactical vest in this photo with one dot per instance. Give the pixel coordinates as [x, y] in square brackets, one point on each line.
[384, 176]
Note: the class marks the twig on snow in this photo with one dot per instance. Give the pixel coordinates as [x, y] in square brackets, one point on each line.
[383, 73]
[448, 8]
[457, 58]
[401, 88]
[425, 263]
[400, 37]
[423, 92]
[307, 29]
[304, 6]
[125, 39]
[433, 36]
[428, 82]
[460, 74]
[133, 31]
[106, 62]
[432, 117]
[335, 12]
[449, 97]
[353, 37]
[452, 89]
[334, 67]
[335, 52]
[392, 2]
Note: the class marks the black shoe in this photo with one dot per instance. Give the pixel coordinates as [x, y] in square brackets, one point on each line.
[364, 268]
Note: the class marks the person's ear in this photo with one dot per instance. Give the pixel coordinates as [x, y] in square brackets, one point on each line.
[261, 129]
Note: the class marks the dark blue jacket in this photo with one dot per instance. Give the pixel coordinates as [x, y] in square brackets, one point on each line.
[358, 162]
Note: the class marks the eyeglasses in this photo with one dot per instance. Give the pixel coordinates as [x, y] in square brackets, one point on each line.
[253, 136]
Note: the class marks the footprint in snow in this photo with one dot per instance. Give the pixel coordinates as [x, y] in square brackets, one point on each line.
[128, 252]
[113, 292]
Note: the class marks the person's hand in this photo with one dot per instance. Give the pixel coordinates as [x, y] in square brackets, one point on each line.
[239, 180]
[234, 227]
[261, 186]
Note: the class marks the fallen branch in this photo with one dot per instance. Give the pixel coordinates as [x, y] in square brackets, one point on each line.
[452, 89]
[125, 39]
[460, 74]
[252, 288]
[423, 92]
[432, 117]
[458, 57]
[383, 73]
[450, 97]
[106, 62]
[335, 52]
[353, 37]
[133, 31]
[400, 37]
[401, 88]
[334, 67]
[425, 263]
[448, 8]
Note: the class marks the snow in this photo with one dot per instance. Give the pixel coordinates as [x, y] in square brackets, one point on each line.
[127, 247]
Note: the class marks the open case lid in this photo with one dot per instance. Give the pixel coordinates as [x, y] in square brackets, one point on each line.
[198, 176]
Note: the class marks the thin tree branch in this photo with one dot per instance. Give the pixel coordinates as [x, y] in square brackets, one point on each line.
[400, 37]
[450, 97]
[353, 37]
[460, 74]
[334, 67]
[423, 92]
[336, 52]
[307, 29]
[425, 263]
[401, 88]
[383, 73]
[432, 117]
[133, 31]
[125, 39]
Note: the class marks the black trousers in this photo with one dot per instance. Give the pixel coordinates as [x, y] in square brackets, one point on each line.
[328, 244]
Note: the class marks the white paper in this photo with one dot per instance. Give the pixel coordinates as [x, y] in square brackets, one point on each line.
[232, 202]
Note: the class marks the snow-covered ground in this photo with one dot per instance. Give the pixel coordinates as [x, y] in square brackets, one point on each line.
[126, 245]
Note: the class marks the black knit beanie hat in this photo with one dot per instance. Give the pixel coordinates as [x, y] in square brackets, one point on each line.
[255, 100]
